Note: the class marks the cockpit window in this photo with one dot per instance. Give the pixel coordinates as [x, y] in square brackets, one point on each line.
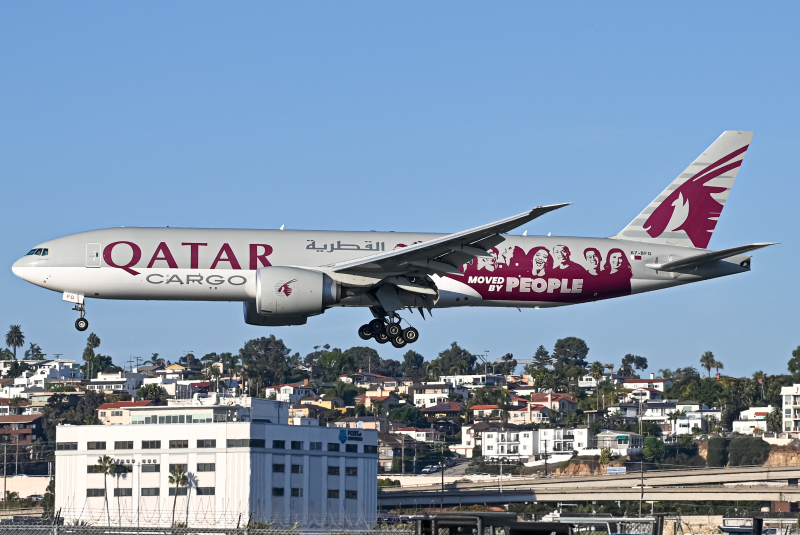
[44, 252]
[31, 252]
[38, 252]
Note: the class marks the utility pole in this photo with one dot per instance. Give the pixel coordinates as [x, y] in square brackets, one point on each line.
[441, 463]
[16, 460]
[545, 457]
[5, 505]
[403, 454]
[501, 476]
[641, 485]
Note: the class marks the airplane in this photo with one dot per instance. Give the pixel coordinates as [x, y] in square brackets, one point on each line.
[283, 277]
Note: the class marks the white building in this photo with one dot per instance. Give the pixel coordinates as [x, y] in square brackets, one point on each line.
[589, 383]
[791, 407]
[474, 381]
[426, 395]
[620, 442]
[289, 393]
[167, 384]
[510, 442]
[116, 382]
[652, 382]
[752, 419]
[427, 435]
[263, 472]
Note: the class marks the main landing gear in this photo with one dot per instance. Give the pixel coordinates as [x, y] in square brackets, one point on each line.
[81, 323]
[388, 330]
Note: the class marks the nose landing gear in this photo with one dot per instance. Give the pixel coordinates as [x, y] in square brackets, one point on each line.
[81, 323]
[388, 330]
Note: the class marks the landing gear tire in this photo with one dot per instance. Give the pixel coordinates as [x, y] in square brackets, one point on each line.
[381, 337]
[81, 324]
[365, 332]
[398, 341]
[394, 330]
[411, 335]
[376, 326]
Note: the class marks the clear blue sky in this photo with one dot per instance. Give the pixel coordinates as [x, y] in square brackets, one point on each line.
[402, 116]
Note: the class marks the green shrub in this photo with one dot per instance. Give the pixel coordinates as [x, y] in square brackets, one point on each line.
[717, 451]
[747, 451]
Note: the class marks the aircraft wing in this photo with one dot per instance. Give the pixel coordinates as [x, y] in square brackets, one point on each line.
[442, 256]
[707, 257]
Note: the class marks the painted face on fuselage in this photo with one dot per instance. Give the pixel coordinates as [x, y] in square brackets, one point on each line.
[560, 254]
[540, 260]
[594, 262]
[615, 261]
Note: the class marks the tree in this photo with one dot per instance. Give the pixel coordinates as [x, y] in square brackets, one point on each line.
[106, 467]
[542, 358]
[265, 359]
[775, 420]
[596, 371]
[363, 358]
[507, 364]
[654, 450]
[34, 352]
[15, 338]
[631, 362]
[410, 416]
[707, 361]
[16, 369]
[455, 360]
[570, 351]
[152, 392]
[179, 478]
[89, 369]
[794, 364]
[346, 391]
[605, 455]
[412, 364]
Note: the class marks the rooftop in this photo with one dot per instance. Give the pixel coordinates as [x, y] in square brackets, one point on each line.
[124, 404]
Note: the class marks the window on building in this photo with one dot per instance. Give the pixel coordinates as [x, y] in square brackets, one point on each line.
[331, 494]
[278, 467]
[277, 491]
[489, 448]
[123, 492]
[206, 467]
[93, 469]
[351, 448]
[207, 443]
[371, 449]
[123, 445]
[178, 444]
[297, 468]
[297, 493]
[333, 446]
[297, 444]
[204, 491]
[184, 467]
[279, 445]
[351, 471]
[153, 491]
[95, 445]
[95, 493]
[151, 444]
[315, 446]
[124, 469]
[333, 470]
[151, 468]
[351, 494]
[182, 491]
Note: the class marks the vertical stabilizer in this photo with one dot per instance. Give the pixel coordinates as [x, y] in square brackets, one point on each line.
[686, 213]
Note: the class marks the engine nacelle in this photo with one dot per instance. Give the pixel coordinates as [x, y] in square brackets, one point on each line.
[287, 296]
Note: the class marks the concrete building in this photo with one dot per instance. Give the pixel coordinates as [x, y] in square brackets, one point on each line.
[510, 442]
[791, 407]
[118, 413]
[23, 430]
[472, 382]
[238, 469]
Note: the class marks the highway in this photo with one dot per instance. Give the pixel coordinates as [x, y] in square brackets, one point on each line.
[725, 484]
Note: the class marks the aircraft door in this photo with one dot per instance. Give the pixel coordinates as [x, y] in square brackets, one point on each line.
[93, 255]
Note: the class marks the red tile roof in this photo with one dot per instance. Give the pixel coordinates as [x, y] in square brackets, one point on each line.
[446, 406]
[19, 418]
[484, 407]
[124, 404]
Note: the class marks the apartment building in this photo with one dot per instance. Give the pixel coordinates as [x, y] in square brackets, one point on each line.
[317, 477]
[117, 382]
[426, 395]
[118, 413]
[472, 382]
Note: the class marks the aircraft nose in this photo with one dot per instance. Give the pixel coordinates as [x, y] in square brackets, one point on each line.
[18, 268]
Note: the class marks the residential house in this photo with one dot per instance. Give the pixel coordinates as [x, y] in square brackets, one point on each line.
[470, 437]
[472, 382]
[506, 441]
[323, 401]
[21, 429]
[632, 383]
[377, 423]
[118, 413]
[484, 413]
[169, 385]
[288, 393]
[556, 402]
[306, 411]
[695, 416]
[449, 410]
[752, 419]
[620, 442]
[391, 446]
[529, 413]
[643, 395]
[13, 409]
[589, 383]
[388, 402]
[564, 440]
[429, 394]
[428, 436]
[117, 382]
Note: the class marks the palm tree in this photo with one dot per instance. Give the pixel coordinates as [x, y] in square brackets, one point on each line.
[666, 373]
[107, 467]
[718, 366]
[15, 338]
[34, 352]
[596, 371]
[179, 478]
[707, 361]
[760, 379]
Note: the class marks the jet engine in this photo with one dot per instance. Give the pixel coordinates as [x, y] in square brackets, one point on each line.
[287, 296]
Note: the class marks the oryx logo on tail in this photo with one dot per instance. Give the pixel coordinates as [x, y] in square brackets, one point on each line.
[285, 288]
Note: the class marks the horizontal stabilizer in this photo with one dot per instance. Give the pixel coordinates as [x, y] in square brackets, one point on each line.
[707, 258]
